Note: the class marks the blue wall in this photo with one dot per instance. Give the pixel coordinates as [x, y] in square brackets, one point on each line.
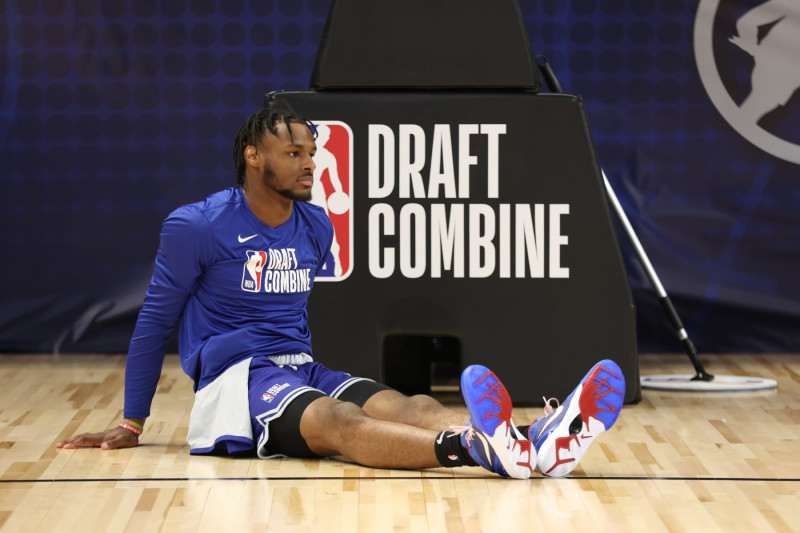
[114, 112]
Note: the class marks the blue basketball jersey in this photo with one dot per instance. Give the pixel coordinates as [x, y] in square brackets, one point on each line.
[238, 287]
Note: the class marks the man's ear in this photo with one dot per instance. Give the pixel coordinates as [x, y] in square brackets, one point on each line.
[250, 154]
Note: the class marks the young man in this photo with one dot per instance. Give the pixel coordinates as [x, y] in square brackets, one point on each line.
[236, 269]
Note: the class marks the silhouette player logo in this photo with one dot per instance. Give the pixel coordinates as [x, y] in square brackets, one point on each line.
[765, 38]
[253, 269]
[332, 190]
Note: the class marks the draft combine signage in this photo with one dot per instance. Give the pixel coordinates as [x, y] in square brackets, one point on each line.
[426, 221]
[477, 216]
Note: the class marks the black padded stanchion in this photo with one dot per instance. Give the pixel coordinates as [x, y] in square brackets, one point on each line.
[413, 44]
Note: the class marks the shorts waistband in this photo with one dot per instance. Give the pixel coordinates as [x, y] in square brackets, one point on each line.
[294, 359]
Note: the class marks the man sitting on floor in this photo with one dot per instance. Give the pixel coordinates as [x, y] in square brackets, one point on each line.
[236, 270]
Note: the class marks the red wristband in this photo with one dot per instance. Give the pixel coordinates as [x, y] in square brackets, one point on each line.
[136, 431]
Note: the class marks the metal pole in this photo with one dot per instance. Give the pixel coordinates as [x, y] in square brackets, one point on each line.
[663, 298]
[688, 346]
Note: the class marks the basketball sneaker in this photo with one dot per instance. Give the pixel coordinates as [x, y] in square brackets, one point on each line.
[491, 437]
[563, 436]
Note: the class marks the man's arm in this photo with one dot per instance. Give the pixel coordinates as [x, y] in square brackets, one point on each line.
[178, 265]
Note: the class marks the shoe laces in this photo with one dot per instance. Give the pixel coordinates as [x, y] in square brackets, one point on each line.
[467, 428]
[548, 409]
[537, 425]
[511, 443]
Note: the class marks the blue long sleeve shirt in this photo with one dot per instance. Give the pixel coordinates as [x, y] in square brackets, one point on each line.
[237, 286]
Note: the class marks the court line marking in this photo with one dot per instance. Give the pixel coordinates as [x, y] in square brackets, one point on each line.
[391, 478]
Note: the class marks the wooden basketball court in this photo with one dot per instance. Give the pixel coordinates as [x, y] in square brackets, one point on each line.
[677, 461]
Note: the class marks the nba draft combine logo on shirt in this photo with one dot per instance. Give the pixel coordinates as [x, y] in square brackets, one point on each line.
[279, 271]
[747, 58]
[332, 190]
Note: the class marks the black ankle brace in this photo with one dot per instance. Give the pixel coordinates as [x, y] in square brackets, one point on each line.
[449, 451]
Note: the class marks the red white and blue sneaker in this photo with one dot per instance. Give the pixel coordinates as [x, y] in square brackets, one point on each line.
[563, 436]
[491, 437]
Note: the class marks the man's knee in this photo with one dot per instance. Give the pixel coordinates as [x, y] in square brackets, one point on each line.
[327, 421]
[419, 404]
[425, 402]
[393, 405]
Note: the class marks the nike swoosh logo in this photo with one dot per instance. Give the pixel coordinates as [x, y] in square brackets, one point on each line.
[439, 438]
[245, 239]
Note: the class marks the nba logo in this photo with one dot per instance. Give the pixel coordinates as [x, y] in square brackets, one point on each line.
[332, 190]
[253, 268]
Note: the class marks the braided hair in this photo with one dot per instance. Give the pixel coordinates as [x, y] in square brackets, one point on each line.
[256, 126]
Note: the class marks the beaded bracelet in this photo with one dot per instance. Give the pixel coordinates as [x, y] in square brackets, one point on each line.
[131, 426]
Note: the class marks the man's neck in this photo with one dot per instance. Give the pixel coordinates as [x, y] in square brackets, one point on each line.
[271, 209]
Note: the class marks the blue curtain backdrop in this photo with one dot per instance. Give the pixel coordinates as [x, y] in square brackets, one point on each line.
[114, 112]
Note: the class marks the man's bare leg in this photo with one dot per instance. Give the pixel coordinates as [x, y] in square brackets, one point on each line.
[419, 411]
[332, 427]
